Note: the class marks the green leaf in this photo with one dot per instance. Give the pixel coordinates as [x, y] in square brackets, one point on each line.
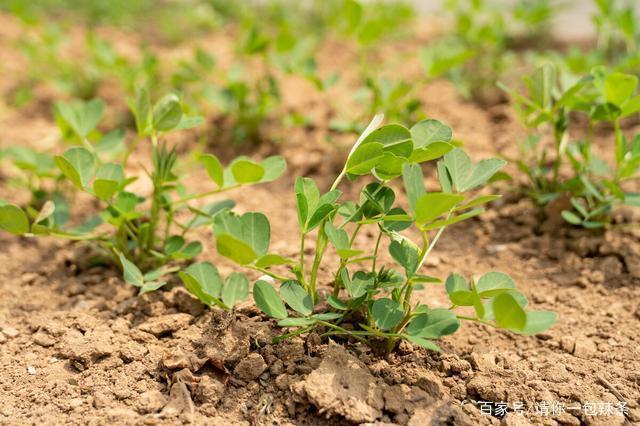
[459, 167]
[131, 273]
[296, 322]
[187, 122]
[109, 177]
[455, 219]
[619, 87]
[427, 344]
[386, 313]
[539, 321]
[327, 316]
[456, 282]
[150, 286]
[235, 289]
[248, 235]
[307, 198]
[338, 237]
[508, 312]
[78, 165]
[269, 260]
[427, 132]
[483, 199]
[543, 81]
[336, 303]
[274, 167]
[394, 138]
[189, 251]
[46, 211]
[406, 254]
[364, 158]
[359, 284]
[444, 178]
[214, 168]
[493, 283]
[173, 244]
[296, 297]
[430, 152]
[482, 172]
[235, 249]
[432, 205]
[413, 184]
[82, 117]
[268, 301]
[141, 109]
[203, 280]
[13, 219]
[571, 217]
[167, 113]
[434, 324]
[247, 171]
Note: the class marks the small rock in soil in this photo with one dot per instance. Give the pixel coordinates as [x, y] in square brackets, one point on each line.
[342, 385]
[486, 387]
[394, 398]
[10, 332]
[251, 367]
[584, 348]
[568, 343]
[430, 383]
[179, 402]
[100, 400]
[209, 390]
[151, 402]
[165, 324]
[43, 340]
[178, 359]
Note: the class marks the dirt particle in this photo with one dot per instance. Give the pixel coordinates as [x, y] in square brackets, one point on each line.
[277, 367]
[31, 370]
[568, 343]
[10, 332]
[483, 361]
[343, 386]
[151, 402]
[100, 400]
[394, 399]
[251, 367]
[487, 388]
[178, 359]
[209, 390]
[43, 340]
[166, 324]
[584, 348]
[430, 383]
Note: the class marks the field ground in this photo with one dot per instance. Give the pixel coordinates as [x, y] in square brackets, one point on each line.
[77, 346]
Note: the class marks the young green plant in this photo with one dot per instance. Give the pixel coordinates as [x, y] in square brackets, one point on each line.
[369, 301]
[147, 235]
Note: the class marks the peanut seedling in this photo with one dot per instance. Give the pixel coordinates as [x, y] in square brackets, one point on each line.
[593, 187]
[374, 303]
[147, 235]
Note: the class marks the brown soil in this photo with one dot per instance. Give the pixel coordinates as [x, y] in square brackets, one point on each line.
[78, 347]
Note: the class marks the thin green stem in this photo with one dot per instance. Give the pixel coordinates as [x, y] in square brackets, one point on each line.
[355, 335]
[620, 148]
[130, 151]
[269, 273]
[375, 252]
[205, 194]
[478, 320]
